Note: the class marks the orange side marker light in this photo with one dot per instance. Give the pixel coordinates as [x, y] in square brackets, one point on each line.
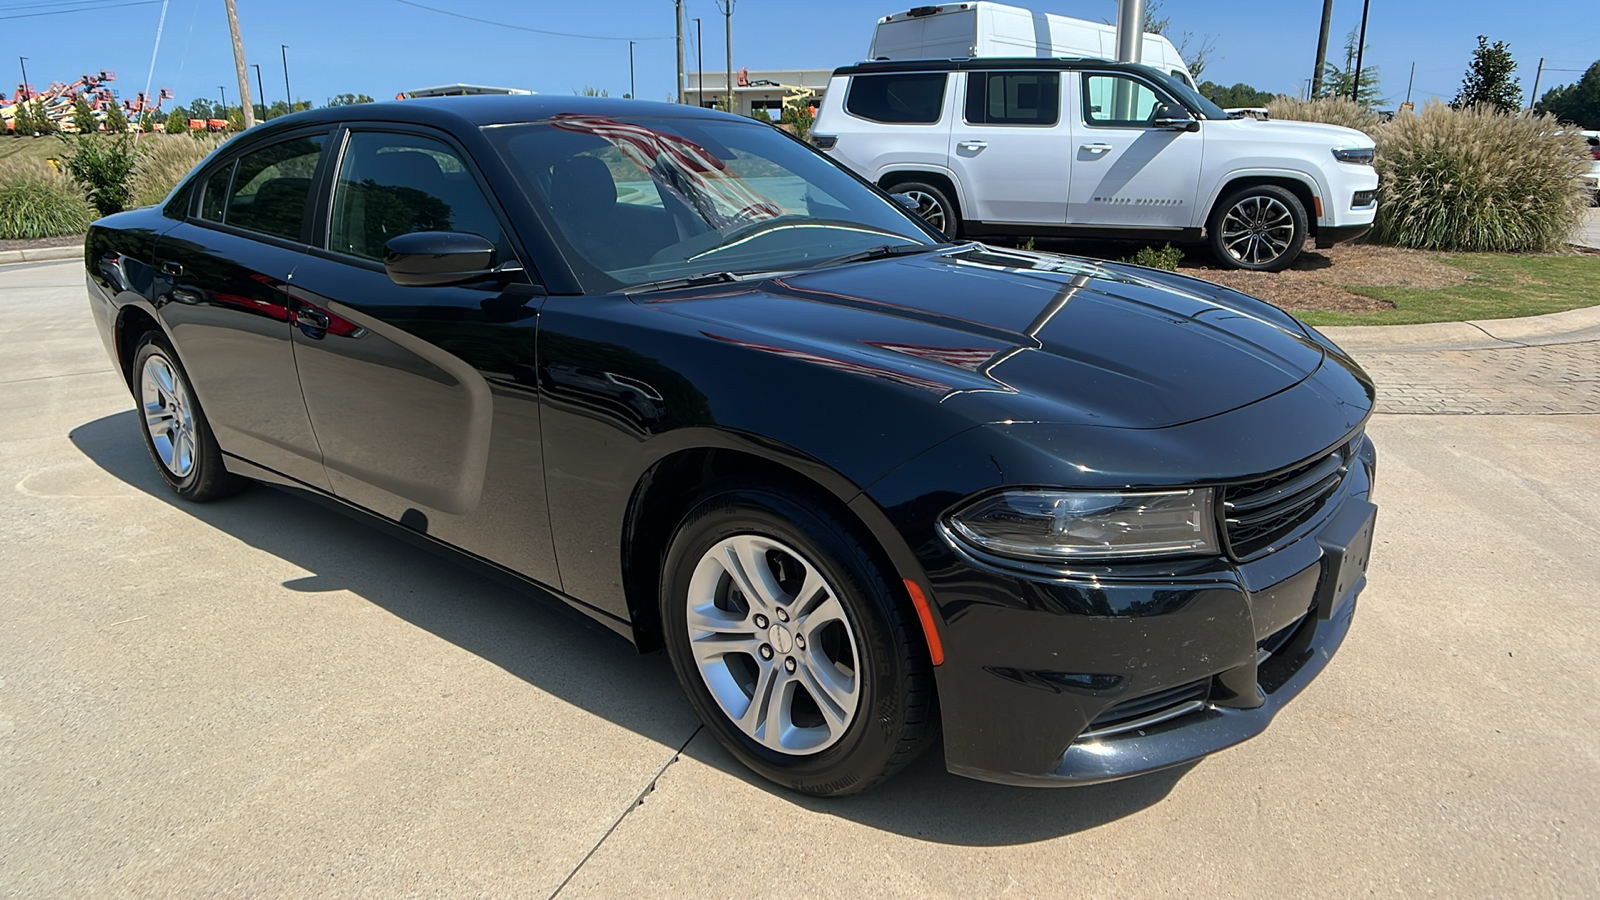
[925, 614]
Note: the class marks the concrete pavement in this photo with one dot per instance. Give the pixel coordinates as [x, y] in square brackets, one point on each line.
[258, 697]
[1588, 234]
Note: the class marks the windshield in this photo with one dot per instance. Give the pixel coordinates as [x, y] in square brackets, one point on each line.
[642, 200]
[1187, 95]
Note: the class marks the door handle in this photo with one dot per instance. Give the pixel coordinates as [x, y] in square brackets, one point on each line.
[972, 145]
[311, 320]
[171, 269]
[1095, 148]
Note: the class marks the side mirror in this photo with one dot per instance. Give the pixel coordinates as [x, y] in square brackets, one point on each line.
[908, 201]
[436, 258]
[1172, 117]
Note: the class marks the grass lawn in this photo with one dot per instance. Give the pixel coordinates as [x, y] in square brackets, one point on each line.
[1498, 286]
[31, 148]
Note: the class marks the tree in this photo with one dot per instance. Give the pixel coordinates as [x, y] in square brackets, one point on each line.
[592, 92]
[761, 115]
[1196, 53]
[42, 123]
[1489, 81]
[1337, 82]
[1578, 102]
[83, 117]
[349, 100]
[22, 122]
[797, 114]
[177, 121]
[1239, 96]
[201, 108]
[116, 121]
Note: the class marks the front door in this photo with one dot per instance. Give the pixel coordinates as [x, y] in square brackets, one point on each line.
[424, 399]
[1125, 171]
[1009, 145]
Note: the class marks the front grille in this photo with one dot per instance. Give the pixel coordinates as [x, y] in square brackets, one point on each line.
[1257, 514]
[1363, 199]
[1142, 712]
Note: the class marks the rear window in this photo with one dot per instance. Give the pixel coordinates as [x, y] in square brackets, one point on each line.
[899, 98]
[1013, 98]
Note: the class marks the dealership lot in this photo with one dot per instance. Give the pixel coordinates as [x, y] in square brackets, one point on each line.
[261, 697]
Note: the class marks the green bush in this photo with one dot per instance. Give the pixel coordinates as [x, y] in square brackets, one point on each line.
[1327, 110]
[1166, 257]
[164, 162]
[101, 165]
[38, 202]
[1477, 179]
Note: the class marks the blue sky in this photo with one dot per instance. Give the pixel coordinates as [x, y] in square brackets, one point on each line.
[379, 47]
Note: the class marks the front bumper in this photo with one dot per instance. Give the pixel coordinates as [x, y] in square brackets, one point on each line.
[1035, 665]
[1328, 235]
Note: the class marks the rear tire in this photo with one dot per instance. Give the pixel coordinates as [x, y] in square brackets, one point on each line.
[175, 430]
[934, 206]
[792, 644]
[1261, 228]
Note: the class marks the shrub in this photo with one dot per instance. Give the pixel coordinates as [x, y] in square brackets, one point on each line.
[1166, 257]
[164, 162]
[1477, 179]
[36, 201]
[1328, 110]
[101, 165]
[22, 121]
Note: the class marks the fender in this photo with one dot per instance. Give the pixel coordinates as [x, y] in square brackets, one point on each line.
[897, 168]
[1319, 188]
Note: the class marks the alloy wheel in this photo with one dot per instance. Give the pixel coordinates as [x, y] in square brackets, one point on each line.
[929, 208]
[1257, 230]
[773, 644]
[169, 415]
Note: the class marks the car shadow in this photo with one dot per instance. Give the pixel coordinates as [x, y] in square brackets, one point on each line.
[545, 642]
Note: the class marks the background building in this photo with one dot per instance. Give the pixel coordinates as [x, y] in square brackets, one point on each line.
[768, 89]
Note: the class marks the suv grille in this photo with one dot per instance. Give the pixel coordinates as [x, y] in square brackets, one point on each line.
[1260, 513]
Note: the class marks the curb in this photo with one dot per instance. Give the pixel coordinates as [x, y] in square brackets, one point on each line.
[43, 254]
[1570, 327]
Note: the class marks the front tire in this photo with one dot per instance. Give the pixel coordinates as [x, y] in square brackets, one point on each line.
[175, 430]
[1261, 228]
[792, 644]
[934, 206]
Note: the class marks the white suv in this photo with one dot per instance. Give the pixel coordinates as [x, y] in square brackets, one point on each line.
[1087, 147]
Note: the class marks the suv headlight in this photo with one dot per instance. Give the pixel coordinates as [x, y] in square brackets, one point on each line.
[1361, 156]
[1070, 525]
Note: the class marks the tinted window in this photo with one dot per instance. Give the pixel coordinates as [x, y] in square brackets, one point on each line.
[270, 188]
[1013, 98]
[909, 98]
[214, 202]
[394, 184]
[1117, 100]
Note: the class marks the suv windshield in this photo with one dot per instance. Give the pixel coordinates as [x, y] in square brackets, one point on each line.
[1187, 95]
[642, 200]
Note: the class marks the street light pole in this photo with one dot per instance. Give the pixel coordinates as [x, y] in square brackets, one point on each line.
[224, 92]
[23, 60]
[261, 90]
[633, 92]
[287, 96]
[700, 65]
[1361, 46]
[678, 5]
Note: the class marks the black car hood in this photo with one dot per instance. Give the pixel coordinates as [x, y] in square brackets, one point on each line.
[1008, 336]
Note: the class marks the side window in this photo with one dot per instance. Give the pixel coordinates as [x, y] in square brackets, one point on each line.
[270, 187]
[1013, 98]
[1118, 101]
[909, 98]
[214, 202]
[394, 184]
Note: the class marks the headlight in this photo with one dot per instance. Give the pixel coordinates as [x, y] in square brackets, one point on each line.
[1361, 156]
[1071, 525]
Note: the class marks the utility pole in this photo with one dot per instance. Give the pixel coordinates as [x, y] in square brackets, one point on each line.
[224, 93]
[287, 96]
[1534, 96]
[633, 93]
[261, 90]
[23, 60]
[727, 27]
[247, 107]
[1322, 48]
[1412, 80]
[1361, 48]
[678, 4]
[700, 66]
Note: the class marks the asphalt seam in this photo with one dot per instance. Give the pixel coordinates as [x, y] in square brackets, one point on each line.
[638, 801]
[48, 377]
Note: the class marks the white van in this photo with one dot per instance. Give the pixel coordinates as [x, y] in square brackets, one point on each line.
[964, 30]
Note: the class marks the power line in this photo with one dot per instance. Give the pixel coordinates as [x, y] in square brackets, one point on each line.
[62, 12]
[581, 37]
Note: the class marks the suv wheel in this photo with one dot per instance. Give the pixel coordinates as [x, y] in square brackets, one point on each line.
[1261, 228]
[175, 430]
[791, 644]
[933, 206]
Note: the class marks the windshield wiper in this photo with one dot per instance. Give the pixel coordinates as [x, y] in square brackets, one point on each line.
[686, 281]
[884, 251]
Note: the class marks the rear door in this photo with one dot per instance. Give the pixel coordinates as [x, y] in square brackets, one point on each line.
[222, 289]
[1008, 147]
[901, 123]
[424, 399]
[1125, 171]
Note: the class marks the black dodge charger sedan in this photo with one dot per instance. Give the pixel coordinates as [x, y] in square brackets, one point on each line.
[865, 487]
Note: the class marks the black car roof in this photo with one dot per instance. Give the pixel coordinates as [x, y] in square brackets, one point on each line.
[988, 62]
[488, 109]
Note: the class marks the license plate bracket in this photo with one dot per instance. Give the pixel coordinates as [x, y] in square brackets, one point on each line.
[1346, 543]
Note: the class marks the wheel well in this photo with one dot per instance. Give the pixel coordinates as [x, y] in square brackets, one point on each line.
[665, 495]
[1300, 189]
[890, 181]
[132, 325]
